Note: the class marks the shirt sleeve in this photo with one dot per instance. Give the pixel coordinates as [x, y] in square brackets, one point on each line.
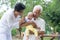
[9, 20]
[12, 23]
[16, 23]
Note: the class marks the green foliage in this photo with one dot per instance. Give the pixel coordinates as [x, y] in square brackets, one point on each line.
[23, 29]
[58, 29]
[13, 2]
[52, 14]
[1, 13]
[14, 32]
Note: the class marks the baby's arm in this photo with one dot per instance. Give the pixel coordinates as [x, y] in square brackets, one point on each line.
[27, 23]
[34, 25]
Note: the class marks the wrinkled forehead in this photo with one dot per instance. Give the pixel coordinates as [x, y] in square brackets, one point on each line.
[36, 9]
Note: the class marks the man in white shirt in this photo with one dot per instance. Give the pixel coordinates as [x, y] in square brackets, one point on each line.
[10, 19]
[38, 21]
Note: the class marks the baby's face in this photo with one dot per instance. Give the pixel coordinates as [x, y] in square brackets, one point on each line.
[30, 16]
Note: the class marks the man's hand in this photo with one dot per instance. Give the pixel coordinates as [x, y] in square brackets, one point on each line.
[38, 28]
[41, 33]
[22, 21]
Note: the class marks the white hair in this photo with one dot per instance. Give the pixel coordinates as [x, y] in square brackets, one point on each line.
[38, 7]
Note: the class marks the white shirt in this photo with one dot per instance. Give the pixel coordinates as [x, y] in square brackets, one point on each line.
[40, 23]
[8, 20]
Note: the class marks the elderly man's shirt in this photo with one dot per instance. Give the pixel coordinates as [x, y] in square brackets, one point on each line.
[40, 23]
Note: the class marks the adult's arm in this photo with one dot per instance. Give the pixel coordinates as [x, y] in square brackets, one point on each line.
[28, 23]
[42, 31]
[24, 23]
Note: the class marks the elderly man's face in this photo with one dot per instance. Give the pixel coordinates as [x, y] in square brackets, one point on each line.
[36, 13]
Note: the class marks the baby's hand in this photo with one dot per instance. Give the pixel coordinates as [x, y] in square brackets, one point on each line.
[22, 19]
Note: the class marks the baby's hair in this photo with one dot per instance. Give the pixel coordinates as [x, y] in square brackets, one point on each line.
[30, 13]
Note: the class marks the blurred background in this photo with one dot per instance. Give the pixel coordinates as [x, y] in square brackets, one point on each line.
[51, 12]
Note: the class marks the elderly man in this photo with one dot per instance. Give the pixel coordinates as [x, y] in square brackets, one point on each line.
[37, 10]
[39, 21]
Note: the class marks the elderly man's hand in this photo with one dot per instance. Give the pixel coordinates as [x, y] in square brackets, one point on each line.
[41, 33]
[38, 28]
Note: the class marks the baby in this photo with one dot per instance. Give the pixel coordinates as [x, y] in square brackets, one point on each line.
[31, 27]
